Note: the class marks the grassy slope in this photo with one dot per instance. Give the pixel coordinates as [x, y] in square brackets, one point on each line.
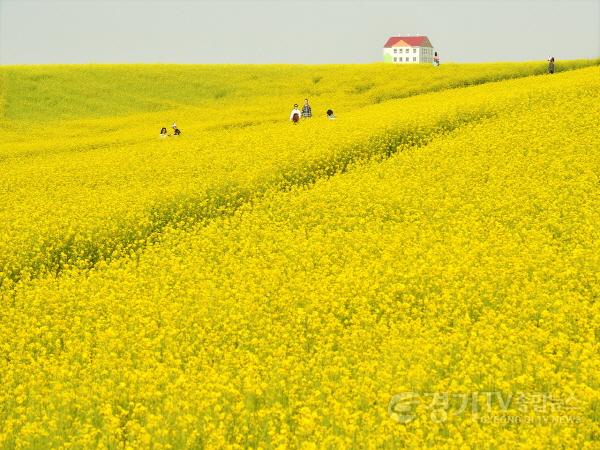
[48, 93]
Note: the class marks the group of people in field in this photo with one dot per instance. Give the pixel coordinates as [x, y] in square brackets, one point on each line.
[176, 131]
[306, 113]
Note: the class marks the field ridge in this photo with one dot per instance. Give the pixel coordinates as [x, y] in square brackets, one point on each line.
[51, 93]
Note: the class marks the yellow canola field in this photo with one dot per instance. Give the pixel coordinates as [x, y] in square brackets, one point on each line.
[47, 93]
[467, 265]
[75, 193]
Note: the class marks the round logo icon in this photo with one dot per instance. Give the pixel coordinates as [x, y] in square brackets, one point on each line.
[402, 407]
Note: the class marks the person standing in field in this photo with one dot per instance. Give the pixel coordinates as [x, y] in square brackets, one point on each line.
[306, 110]
[551, 64]
[295, 115]
[436, 60]
[163, 132]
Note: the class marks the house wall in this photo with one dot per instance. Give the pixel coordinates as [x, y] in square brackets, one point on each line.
[426, 54]
[415, 55]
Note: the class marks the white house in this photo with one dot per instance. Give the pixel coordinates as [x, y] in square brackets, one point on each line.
[408, 50]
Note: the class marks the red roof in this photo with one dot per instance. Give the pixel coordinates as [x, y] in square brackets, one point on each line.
[413, 41]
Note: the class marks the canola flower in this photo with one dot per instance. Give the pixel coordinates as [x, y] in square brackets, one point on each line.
[46, 93]
[467, 261]
[80, 192]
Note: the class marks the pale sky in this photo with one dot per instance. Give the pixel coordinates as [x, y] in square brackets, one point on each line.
[291, 31]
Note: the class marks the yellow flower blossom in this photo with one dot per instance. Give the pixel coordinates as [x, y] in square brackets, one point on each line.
[254, 284]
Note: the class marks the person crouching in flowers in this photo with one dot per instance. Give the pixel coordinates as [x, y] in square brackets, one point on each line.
[330, 114]
[295, 115]
[176, 131]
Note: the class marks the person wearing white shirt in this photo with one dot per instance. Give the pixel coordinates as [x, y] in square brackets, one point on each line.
[295, 115]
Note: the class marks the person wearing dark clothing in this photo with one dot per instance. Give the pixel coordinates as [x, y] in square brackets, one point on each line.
[551, 65]
[306, 110]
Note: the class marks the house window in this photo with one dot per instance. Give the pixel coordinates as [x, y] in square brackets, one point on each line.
[395, 50]
[414, 58]
[400, 59]
[395, 59]
[414, 50]
[406, 50]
